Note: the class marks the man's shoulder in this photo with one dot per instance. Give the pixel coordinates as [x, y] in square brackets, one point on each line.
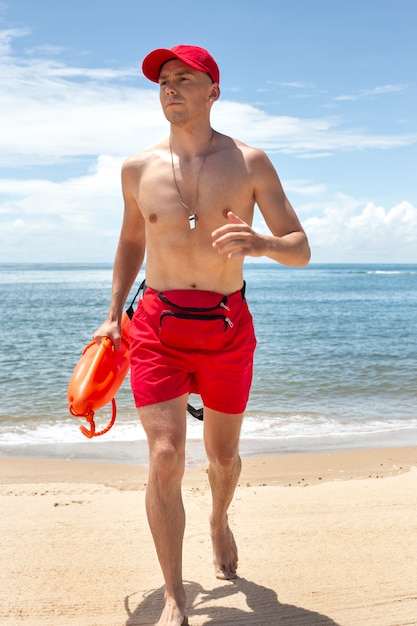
[144, 157]
[231, 143]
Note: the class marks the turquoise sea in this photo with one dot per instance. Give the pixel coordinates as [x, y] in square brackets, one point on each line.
[335, 366]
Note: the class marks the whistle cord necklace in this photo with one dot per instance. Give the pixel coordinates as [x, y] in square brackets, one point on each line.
[192, 216]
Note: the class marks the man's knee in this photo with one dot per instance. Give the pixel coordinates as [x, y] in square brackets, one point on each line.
[167, 463]
[226, 461]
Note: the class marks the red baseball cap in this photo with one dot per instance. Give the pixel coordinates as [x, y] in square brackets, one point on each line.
[193, 56]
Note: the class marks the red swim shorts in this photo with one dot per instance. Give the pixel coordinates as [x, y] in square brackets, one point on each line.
[185, 341]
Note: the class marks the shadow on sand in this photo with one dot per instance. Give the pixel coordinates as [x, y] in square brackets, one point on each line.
[264, 609]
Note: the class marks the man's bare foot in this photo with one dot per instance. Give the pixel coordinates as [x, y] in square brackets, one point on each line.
[172, 615]
[225, 557]
[179, 620]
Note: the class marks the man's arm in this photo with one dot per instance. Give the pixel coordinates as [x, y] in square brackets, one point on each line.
[287, 243]
[129, 256]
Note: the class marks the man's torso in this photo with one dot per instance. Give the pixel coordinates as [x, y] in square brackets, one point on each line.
[177, 256]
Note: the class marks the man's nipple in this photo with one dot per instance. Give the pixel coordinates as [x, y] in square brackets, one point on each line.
[153, 218]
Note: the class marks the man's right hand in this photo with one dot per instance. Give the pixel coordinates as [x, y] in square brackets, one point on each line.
[110, 329]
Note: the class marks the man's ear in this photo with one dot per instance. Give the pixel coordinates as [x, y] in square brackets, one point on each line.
[214, 92]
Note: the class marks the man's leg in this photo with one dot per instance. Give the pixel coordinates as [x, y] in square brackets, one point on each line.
[165, 427]
[221, 438]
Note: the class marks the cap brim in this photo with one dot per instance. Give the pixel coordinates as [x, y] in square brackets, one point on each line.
[153, 62]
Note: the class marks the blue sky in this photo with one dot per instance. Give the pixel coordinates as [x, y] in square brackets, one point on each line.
[327, 88]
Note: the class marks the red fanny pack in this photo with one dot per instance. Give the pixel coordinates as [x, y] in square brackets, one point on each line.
[209, 324]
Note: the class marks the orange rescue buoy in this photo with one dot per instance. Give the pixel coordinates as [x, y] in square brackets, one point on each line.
[97, 377]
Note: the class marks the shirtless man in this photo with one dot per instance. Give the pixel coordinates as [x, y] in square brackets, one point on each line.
[189, 203]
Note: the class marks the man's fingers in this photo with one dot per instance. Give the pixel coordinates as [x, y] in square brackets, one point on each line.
[234, 218]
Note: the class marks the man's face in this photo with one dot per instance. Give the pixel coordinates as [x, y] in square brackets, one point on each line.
[183, 91]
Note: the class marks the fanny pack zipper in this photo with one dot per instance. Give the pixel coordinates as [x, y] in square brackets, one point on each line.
[190, 316]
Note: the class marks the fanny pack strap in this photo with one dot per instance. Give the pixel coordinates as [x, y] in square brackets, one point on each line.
[142, 287]
[130, 310]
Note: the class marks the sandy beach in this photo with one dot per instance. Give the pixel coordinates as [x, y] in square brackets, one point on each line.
[324, 540]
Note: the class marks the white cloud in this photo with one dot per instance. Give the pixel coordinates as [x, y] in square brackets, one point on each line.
[349, 231]
[299, 136]
[293, 85]
[76, 220]
[376, 91]
[305, 188]
[344, 229]
[7, 36]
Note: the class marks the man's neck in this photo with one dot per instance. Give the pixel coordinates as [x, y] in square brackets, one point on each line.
[192, 143]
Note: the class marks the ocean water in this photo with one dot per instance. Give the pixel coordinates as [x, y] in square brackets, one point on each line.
[335, 365]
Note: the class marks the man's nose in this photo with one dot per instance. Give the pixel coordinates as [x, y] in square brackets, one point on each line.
[169, 87]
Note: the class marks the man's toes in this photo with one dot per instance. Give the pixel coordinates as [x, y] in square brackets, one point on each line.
[225, 574]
